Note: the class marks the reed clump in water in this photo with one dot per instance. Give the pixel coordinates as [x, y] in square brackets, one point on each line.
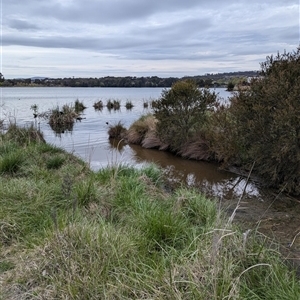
[98, 105]
[117, 131]
[129, 105]
[79, 106]
[63, 119]
[113, 104]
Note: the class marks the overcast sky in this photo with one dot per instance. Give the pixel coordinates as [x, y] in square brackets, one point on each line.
[96, 38]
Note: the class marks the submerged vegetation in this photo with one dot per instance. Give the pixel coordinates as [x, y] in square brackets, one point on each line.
[70, 233]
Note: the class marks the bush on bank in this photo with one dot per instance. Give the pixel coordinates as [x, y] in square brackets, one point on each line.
[260, 127]
[69, 233]
[181, 113]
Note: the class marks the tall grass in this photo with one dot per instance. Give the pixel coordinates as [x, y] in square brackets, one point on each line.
[70, 233]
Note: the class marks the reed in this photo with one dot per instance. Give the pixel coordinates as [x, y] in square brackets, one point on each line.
[113, 104]
[98, 105]
[117, 131]
[79, 107]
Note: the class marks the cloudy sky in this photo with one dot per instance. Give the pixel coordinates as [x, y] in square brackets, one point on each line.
[95, 38]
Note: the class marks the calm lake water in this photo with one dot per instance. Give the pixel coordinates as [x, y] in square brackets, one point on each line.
[89, 138]
[276, 216]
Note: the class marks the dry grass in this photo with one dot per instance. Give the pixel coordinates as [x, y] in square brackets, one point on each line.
[197, 149]
[117, 131]
[139, 129]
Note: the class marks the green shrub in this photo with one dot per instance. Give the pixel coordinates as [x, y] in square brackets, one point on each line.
[267, 122]
[181, 112]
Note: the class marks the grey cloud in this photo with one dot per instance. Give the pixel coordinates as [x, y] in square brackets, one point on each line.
[225, 33]
[22, 25]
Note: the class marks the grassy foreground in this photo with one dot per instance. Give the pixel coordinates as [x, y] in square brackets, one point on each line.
[69, 233]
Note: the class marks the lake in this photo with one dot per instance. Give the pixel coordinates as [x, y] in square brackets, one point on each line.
[89, 138]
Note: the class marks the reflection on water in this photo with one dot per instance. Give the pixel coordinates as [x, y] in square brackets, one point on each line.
[206, 176]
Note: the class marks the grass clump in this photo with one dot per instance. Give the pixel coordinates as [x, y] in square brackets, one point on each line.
[24, 135]
[98, 105]
[116, 131]
[129, 105]
[11, 162]
[55, 162]
[70, 233]
[113, 104]
[79, 106]
[63, 119]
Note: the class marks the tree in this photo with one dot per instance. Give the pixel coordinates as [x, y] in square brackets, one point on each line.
[268, 121]
[181, 111]
[1, 77]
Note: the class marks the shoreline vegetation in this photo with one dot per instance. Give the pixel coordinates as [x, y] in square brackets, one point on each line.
[68, 232]
[257, 132]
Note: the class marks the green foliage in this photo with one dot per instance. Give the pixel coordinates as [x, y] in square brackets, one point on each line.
[230, 86]
[55, 162]
[181, 112]
[267, 121]
[24, 135]
[68, 233]
[11, 162]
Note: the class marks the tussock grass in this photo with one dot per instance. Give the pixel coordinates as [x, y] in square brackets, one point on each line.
[11, 162]
[129, 105]
[79, 106]
[138, 130]
[70, 233]
[117, 131]
[113, 104]
[98, 105]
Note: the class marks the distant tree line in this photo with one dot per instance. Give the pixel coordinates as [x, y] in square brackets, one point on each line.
[207, 80]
